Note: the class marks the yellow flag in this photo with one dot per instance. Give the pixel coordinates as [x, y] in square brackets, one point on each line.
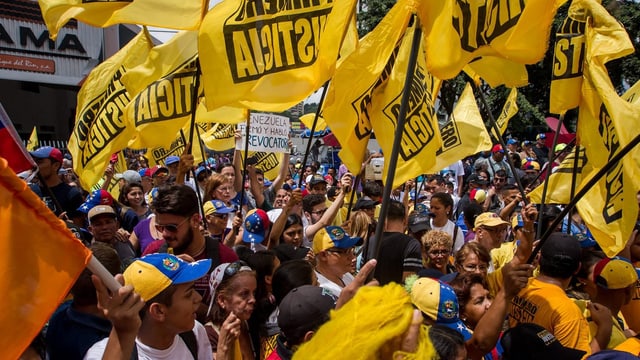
[347, 108]
[224, 114]
[420, 136]
[464, 134]
[176, 146]
[509, 109]
[100, 129]
[268, 162]
[606, 124]
[559, 188]
[183, 15]
[272, 56]
[32, 144]
[568, 59]
[351, 39]
[497, 71]
[307, 120]
[219, 137]
[459, 31]
[165, 87]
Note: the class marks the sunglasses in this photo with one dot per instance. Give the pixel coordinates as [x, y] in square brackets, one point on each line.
[349, 251]
[220, 216]
[234, 268]
[171, 227]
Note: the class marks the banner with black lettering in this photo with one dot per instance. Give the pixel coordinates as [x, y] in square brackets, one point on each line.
[268, 162]
[420, 136]
[464, 134]
[568, 60]
[347, 107]
[509, 109]
[176, 146]
[182, 15]
[100, 129]
[497, 71]
[459, 31]
[165, 87]
[267, 133]
[269, 56]
[559, 183]
[219, 137]
[607, 123]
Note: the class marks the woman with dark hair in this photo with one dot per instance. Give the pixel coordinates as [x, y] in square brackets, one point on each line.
[232, 286]
[132, 195]
[441, 207]
[448, 343]
[470, 259]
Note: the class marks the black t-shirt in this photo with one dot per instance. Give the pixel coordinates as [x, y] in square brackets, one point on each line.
[69, 198]
[398, 253]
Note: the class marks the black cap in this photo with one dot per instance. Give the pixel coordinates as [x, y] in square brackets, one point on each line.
[317, 179]
[473, 178]
[561, 245]
[304, 309]
[419, 222]
[286, 252]
[532, 341]
[363, 203]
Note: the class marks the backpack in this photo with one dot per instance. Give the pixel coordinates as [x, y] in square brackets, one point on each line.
[189, 338]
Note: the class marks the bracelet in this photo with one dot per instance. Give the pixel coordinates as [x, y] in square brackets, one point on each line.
[527, 231]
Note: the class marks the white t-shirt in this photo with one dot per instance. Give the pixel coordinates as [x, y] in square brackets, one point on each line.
[458, 238]
[177, 350]
[335, 289]
[457, 168]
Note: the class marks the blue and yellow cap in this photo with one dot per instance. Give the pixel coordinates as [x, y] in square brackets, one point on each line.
[151, 274]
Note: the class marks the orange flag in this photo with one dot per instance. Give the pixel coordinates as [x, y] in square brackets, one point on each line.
[41, 260]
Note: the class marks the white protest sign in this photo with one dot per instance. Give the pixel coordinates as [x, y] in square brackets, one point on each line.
[268, 133]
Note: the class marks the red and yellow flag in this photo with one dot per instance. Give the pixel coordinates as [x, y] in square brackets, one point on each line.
[37, 272]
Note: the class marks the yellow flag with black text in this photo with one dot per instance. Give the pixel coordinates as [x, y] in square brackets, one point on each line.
[268, 162]
[606, 124]
[459, 31]
[364, 73]
[270, 57]
[100, 129]
[182, 15]
[464, 134]
[497, 71]
[176, 146]
[219, 137]
[420, 136]
[307, 120]
[559, 183]
[165, 89]
[568, 60]
[32, 144]
[509, 109]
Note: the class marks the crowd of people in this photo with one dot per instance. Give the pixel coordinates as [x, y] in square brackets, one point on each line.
[225, 264]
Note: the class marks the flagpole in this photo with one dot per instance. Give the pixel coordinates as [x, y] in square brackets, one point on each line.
[395, 150]
[96, 267]
[356, 182]
[583, 190]
[495, 128]
[194, 106]
[571, 143]
[195, 179]
[313, 130]
[574, 175]
[244, 158]
[545, 186]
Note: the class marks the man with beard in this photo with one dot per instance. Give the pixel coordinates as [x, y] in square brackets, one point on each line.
[178, 221]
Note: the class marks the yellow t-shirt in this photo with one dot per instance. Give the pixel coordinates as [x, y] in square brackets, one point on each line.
[548, 306]
[617, 332]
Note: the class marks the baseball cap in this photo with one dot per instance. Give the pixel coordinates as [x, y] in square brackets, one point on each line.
[560, 147]
[129, 176]
[562, 246]
[363, 203]
[438, 301]
[541, 136]
[256, 224]
[489, 219]
[512, 142]
[266, 182]
[532, 341]
[531, 165]
[154, 170]
[304, 309]
[317, 179]
[497, 148]
[98, 197]
[422, 209]
[333, 237]
[47, 152]
[517, 221]
[419, 222]
[144, 172]
[615, 273]
[286, 252]
[216, 207]
[478, 195]
[151, 274]
[101, 210]
[171, 160]
[474, 178]
[200, 169]
[526, 143]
